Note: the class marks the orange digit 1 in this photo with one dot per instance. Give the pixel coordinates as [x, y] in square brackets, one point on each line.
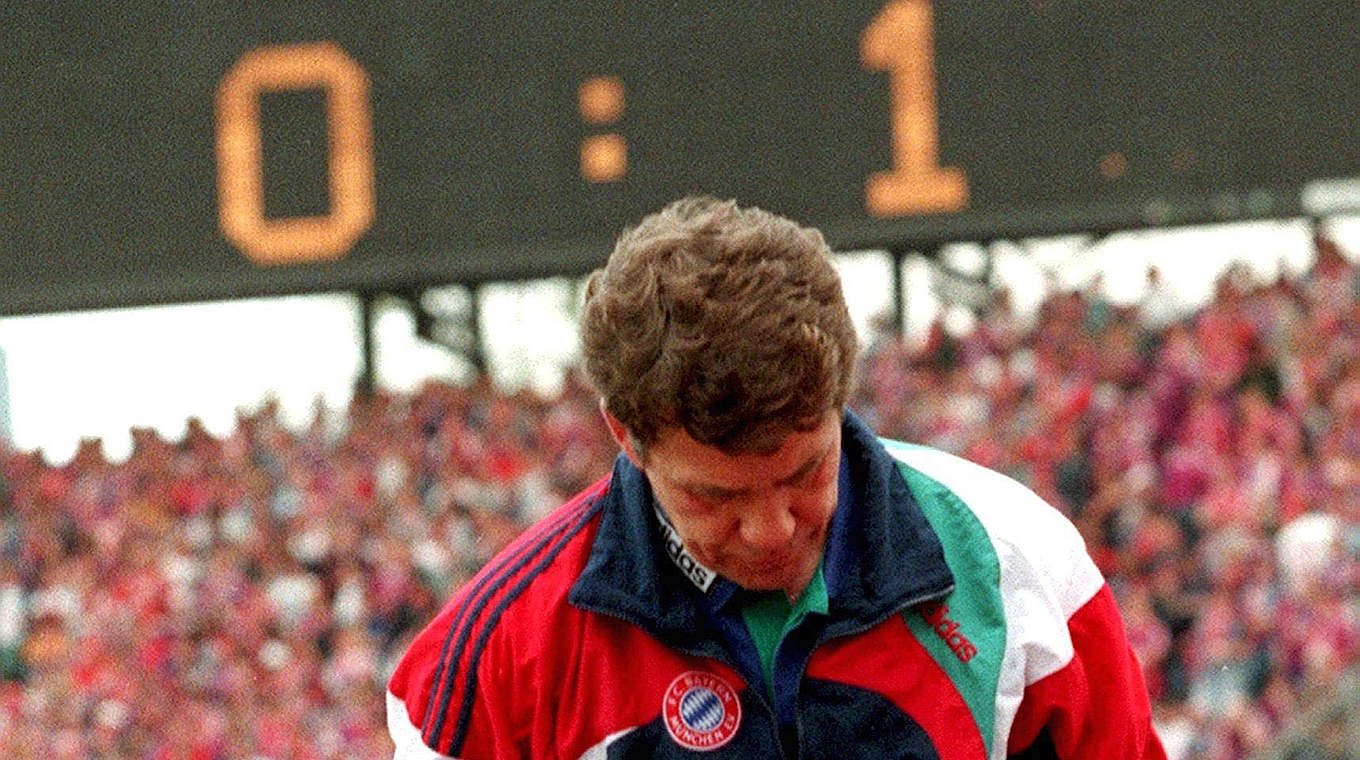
[899, 41]
[240, 156]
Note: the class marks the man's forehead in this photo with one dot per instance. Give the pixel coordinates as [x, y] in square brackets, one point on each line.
[691, 463]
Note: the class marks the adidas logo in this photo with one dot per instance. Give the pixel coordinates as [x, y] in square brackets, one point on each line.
[936, 615]
[675, 549]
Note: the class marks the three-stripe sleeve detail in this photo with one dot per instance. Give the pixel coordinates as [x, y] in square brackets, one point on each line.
[545, 547]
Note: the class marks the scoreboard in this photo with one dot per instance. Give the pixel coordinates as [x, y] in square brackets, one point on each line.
[174, 151]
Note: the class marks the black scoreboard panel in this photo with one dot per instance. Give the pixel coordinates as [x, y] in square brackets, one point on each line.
[173, 151]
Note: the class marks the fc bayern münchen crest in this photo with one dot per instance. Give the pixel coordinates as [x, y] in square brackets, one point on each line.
[701, 711]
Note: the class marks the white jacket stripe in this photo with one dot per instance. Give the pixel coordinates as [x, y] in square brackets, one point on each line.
[1046, 573]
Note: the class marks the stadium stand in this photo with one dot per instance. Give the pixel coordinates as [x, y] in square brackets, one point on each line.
[242, 597]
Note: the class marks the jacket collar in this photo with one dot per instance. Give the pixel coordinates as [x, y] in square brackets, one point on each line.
[881, 556]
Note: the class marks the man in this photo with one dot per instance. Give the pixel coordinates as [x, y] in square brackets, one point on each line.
[760, 576]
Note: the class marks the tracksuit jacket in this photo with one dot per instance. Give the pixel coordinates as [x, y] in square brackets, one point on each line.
[965, 621]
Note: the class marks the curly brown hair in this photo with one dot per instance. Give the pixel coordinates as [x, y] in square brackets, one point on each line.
[728, 322]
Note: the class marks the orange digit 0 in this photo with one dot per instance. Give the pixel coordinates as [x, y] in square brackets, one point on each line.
[240, 156]
[899, 41]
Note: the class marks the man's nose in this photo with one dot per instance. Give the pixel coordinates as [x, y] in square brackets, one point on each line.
[769, 525]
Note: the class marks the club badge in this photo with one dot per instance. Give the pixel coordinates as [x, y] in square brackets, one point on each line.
[701, 711]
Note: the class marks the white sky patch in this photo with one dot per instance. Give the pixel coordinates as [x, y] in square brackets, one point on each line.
[97, 374]
[869, 275]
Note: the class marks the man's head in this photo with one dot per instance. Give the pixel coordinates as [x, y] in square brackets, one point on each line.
[726, 322]
[719, 340]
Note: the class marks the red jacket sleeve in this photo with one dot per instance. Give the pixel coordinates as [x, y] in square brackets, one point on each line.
[442, 705]
[1096, 706]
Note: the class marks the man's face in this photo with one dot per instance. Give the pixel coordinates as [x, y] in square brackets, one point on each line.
[758, 520]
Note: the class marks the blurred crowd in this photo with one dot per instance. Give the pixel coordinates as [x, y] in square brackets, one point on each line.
[245, 597]
[224, 598]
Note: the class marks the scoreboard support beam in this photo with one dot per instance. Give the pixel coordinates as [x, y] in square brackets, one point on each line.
[475, 351]
[898, 259]
[365, 383]
[458, 332]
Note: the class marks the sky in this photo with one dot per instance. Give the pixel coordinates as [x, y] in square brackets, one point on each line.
[99, 373]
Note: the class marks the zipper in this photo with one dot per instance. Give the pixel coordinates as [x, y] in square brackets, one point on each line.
[824, 637]
[719, 653]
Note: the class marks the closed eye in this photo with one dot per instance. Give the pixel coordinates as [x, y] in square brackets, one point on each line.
[803, 473]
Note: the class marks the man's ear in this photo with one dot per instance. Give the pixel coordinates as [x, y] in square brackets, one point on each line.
[621, 436]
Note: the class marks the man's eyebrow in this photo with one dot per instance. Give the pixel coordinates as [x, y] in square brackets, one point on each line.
[712, 491]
